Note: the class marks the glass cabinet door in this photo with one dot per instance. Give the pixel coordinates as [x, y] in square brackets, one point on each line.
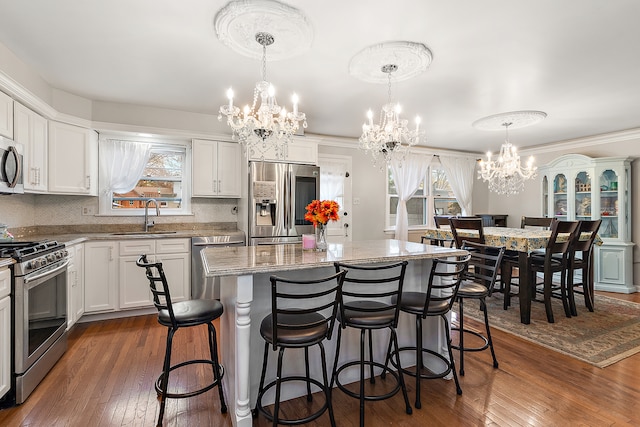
[560, 197]
[583, 196]
[609, 204]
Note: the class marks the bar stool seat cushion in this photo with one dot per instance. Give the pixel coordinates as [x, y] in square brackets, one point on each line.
[355, 314]
[305, 329]
[413, 302]
[192, 312]
[472, 290]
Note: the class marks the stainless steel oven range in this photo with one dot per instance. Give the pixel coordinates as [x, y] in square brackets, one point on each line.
[39, 312]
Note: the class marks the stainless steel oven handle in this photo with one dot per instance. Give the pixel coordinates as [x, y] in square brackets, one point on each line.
[29, 278]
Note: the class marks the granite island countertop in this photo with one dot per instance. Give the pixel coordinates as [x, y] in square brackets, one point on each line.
[235, 261]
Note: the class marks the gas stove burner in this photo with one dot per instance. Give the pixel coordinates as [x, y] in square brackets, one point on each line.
[31, 256]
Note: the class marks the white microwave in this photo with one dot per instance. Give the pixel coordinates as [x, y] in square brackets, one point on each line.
[11, 154]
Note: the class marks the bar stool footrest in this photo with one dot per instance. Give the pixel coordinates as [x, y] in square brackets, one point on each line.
[434, 375]
[195, 392]
[477, 334]
[368, 397]
[305, 420]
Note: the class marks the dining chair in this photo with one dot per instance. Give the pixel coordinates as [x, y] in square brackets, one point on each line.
[510, 260]
[477, 279]
[554, 259]
[540, 222]
[435, 301]
[303, 313]
[371, 298]
[178, 315]
[442, 221]
[583, 263]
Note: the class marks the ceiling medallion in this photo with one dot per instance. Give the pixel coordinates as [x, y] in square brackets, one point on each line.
[506, 175]
[411, 59]
[238, 22]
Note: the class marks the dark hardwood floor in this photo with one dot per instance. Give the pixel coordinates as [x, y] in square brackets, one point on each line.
[106, 379]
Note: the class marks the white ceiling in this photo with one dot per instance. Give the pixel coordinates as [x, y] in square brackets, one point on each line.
[577, 60]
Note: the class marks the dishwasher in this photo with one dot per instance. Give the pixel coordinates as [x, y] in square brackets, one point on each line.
[203, 287]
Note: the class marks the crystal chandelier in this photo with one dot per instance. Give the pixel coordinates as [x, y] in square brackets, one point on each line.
[389, 139]
[264, 126]
[505, 174]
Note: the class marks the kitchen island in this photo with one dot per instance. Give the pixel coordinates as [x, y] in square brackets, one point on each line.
[245, 294]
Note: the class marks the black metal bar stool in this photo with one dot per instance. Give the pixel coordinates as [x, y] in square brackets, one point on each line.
[303, 313]
[479, 278]
[370, 301]
[437, 300]
[181, 315]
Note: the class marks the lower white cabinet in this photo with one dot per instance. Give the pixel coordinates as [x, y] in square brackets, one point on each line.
[5, 331]
[121, 284]
[75, 284]
[100, 276]
[133, 284]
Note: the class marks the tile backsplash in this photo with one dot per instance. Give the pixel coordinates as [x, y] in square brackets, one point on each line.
[26, 210]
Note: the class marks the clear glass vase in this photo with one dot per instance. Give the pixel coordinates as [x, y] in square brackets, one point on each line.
[321, 237]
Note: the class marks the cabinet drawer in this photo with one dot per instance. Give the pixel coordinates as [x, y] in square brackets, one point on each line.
[137, 247]
[173, 246]
[5, 282]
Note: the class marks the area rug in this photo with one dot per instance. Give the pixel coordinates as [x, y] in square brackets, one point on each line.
[605, 336]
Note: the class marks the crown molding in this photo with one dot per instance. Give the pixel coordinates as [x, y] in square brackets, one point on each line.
[587, 141]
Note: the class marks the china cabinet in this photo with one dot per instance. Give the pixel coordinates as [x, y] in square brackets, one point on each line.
[577, 187]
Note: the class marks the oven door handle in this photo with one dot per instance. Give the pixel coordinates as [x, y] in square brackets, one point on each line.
[29, 278]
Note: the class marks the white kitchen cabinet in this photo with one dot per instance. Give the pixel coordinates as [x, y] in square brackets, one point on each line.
[216, 168]
[100, 276]
[133, 285]
[30, 129]
[5, 331]
[576, 187]
[75, 284]
[6, 115]
[299, 150]
[73, 159]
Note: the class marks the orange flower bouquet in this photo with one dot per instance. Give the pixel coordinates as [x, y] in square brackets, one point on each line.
[319, 212]
[322, 211]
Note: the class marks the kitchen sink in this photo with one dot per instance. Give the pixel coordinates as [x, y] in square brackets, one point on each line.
[142, 233]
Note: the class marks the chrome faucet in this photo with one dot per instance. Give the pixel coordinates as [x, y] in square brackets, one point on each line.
[148, 223]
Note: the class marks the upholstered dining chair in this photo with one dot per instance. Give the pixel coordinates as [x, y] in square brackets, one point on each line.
[555, 259]
[581, 260]
[178, 315]
[510, 259]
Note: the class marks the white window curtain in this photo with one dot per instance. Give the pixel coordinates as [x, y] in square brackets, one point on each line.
[460, 174]
[332, 181]
[122, 164]
[407, 177]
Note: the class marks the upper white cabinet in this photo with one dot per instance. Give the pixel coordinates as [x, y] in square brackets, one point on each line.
[576, 187]
[216, 168]
[73, 159]
[6, 115]
[30, 129]
[300, 150]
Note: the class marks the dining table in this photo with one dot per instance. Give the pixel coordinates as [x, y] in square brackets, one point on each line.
[520, 240]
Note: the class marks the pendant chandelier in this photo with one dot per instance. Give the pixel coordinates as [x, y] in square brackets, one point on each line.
[264, 126]
[390, 138]
[506, 175]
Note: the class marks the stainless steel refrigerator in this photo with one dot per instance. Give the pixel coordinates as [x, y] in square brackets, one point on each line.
[278, 196]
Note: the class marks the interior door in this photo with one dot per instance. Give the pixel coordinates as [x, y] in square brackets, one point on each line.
[335, 184]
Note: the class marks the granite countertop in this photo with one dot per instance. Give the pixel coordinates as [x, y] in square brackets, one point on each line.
[71, 235]
[241, 260]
